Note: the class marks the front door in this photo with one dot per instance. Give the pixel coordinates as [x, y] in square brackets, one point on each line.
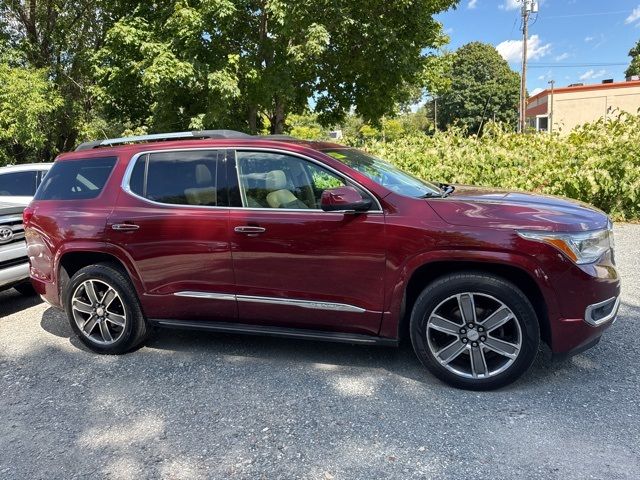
[295, 265]
[172, 222]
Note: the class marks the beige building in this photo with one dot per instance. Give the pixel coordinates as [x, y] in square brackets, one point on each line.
[562, 109]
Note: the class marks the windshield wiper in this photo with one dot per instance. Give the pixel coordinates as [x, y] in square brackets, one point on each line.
[431, 195]
[446, 189]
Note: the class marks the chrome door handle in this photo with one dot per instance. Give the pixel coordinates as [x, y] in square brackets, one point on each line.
[124, 227]
[250, 229]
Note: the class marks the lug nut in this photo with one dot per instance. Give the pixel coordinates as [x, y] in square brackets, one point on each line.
[470, 325]
[483, 338]
[462, 330]
[474, 344]
[480, 329]
[464, 340]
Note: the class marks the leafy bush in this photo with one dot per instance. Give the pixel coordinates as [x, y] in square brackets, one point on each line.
[598, 163]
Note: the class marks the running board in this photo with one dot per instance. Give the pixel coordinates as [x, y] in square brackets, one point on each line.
[299, 333]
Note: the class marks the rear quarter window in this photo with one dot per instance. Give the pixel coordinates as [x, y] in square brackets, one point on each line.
[76, 179]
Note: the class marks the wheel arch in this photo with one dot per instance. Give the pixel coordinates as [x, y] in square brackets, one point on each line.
[71, 261]
[431, 271]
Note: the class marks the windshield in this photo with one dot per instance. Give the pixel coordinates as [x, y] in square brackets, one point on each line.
[384, 173]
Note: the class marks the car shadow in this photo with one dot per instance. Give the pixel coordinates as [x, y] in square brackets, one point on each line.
[12, 302]
[400, 361]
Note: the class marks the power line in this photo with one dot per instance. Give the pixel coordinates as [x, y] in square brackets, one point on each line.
[576, 65]
[544, 17]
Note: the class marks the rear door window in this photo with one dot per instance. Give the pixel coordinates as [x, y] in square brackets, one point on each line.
[18, 183]
[192, 177]
[76, 179]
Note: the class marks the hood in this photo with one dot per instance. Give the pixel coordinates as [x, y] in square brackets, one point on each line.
[486, 207]
[10, 209]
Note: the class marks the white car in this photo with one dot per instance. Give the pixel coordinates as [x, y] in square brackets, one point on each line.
[18, 183]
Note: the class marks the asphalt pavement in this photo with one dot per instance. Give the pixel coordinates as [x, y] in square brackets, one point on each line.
[199, 405]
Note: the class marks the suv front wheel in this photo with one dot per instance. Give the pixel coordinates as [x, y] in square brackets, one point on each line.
[104, 311]
[474, 331]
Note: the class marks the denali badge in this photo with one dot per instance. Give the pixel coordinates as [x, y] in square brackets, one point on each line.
[6, 234]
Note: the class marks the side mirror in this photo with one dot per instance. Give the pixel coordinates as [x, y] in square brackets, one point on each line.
[343, 199]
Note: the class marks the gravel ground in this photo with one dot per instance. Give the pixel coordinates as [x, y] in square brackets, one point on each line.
[194, 405]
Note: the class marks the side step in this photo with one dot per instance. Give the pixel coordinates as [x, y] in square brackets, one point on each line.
[299, 333]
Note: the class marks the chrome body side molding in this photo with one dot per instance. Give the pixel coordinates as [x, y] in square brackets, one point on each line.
[310, 304]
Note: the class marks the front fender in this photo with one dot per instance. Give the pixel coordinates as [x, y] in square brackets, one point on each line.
[399, 282]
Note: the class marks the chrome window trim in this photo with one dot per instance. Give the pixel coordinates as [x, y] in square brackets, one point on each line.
[127, 177]
[309, 304]
[588, 314]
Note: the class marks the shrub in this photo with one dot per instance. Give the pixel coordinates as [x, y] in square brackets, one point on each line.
[598, 163]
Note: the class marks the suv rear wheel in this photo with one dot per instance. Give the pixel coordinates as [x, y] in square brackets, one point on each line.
[474, 331]
[104, 311]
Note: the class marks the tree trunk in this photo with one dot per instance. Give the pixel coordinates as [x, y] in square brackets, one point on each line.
[277, 120]
[253, 119]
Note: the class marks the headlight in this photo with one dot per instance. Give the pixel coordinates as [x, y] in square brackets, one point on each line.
[581, 247]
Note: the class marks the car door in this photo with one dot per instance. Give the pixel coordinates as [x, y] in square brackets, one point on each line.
[296, 265]
[171, 220]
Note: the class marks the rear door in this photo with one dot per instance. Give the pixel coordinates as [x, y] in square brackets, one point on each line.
[296, 265]
[171, 220]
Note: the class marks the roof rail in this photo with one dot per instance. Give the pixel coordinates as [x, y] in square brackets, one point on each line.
[159, 137]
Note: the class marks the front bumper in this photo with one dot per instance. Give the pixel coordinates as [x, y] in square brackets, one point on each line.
[573, 336]
[588, 297]
[14, 275]
[14, 265]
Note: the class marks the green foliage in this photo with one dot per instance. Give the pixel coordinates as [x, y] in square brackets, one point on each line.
[27, 104]
[597, 163]
[482, 84]
[634, 66]
[306, 127]
[247, 64]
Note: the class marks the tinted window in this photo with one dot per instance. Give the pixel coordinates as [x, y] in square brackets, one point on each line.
[18, 183]
[271, 180]
[178, 178]
[76, 179]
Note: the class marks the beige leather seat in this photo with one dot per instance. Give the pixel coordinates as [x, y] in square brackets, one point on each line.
[205, 192]
[280, 196]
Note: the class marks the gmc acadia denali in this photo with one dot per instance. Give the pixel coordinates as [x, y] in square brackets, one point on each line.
[222, 231]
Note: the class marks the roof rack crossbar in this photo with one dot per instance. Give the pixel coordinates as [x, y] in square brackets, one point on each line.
[158, 137]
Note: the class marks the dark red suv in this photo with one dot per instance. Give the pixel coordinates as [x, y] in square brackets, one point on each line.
[221, 231]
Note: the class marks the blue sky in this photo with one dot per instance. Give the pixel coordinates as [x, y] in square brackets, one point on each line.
[590, 33]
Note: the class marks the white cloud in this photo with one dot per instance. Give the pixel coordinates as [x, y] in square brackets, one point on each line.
[536, 91]
[634, 17]
[561, 57]
[472, 4]
[510, 5]
[592, 74]
[589, 39]
[511, 50]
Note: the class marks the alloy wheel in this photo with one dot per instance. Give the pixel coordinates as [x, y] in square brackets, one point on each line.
[474, 335]
[99, 312]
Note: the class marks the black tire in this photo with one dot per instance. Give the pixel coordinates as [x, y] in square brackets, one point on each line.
[487, 287]
[25, 289]
[135, 329]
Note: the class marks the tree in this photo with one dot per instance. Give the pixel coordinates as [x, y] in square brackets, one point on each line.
[57, 38]
[634, 66]
[482, 86]
[245, 64]
[27, 104]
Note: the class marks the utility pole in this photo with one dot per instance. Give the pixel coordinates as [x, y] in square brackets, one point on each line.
[528, 7]
[552, 83]
[435, 113]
